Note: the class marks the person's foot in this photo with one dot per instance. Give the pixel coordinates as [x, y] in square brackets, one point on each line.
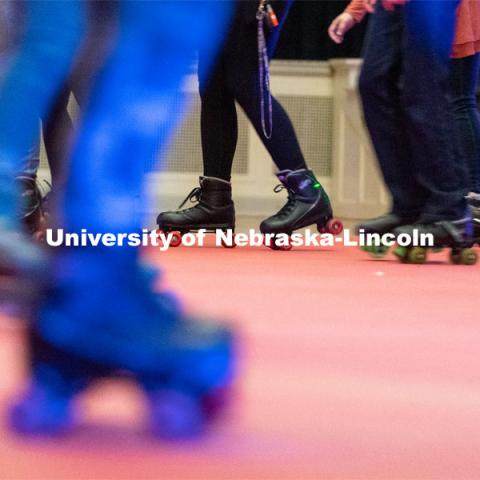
[385, 223]
[457, 235]
[307, 204]
[214, 209]
[100, 319]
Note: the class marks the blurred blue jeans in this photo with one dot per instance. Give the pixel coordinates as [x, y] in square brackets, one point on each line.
[404, 85]
[52, 35]
[464, 75]
[11, 23]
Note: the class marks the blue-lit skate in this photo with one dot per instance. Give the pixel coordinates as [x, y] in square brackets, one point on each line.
[184, 365]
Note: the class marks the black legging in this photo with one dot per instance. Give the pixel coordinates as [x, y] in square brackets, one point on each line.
[235, 77]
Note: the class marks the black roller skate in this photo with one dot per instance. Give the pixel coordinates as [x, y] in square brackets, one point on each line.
[22, 263]
[380, 226]
[22, 266]
[184, 365]
[34, 212]
[474, 203]
[307, 204]
[457, 235]
[214, 211]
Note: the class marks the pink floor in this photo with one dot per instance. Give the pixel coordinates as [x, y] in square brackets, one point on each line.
[351, 369]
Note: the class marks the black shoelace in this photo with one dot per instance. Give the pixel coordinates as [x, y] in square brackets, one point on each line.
[193, 196]
[291, 201]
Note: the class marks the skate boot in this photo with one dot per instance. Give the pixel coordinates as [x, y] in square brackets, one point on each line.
[214, 211]
[82, 334]
[33, 207]
[457, 235]
[307, 204]
[474, 203]
[21, 262]
[380, 226]
[22, 265]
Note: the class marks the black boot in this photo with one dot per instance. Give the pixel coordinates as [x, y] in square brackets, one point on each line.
[385, 224]
[308, 204]
[214, 210]
[34, 212]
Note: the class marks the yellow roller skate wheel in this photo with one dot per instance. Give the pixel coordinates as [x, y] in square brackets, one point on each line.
[402, 254]
[467, 256]
[417, 255]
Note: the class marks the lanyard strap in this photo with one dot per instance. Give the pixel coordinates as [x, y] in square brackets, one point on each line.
[264, 76]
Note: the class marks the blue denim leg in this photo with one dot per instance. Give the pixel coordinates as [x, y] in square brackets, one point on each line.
[54, 29]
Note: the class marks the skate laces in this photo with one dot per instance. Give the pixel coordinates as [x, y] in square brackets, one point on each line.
[288, 207]
[193, 196]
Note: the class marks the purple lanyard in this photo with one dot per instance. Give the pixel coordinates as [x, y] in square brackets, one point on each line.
[264, 77]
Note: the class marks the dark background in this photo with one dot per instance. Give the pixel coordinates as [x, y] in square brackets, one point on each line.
[305, 34]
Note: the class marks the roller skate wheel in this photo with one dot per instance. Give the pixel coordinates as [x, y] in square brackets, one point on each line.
[379, 251]
[175, 415]
[176, 239]
[277, 245]
[417, 255]
[466, 256]
[233, 245]
[334, 226]
[39, 412]
[402, 254]
[322, 229]
[214, 402]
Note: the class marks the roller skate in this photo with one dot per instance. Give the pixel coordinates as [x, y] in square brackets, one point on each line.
[457, 235]
[119, 328]
[214, 211]
[474, 203]
[307, 204]
[22, 263]
[34, 212]
[380, 226]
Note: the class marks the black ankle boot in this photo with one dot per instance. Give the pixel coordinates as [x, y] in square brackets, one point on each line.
[214, 209]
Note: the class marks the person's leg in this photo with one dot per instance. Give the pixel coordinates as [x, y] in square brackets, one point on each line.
[429, 29]
[219, 132]
[52, 36]
[242, 77]
[101, 315]
[379, 86]
[133, 100]
[464, 74]
[218, 123]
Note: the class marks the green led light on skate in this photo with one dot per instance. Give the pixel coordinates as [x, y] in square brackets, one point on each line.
[316, 185]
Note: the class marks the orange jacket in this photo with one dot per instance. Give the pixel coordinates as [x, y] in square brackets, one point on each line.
[467, 35]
